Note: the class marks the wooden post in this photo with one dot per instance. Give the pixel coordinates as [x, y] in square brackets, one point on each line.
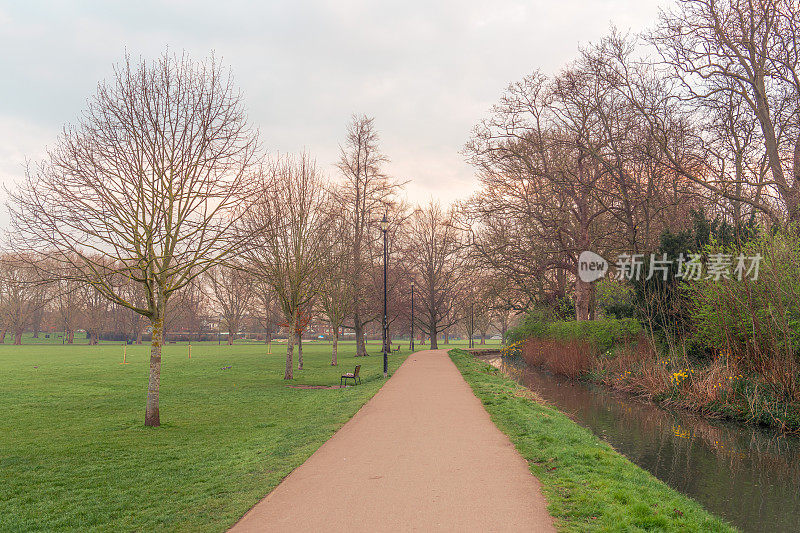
[124, 354]
[190, 350]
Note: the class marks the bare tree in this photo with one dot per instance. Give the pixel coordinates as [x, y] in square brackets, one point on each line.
[541, 184]
[38, 318]
[482, 313]
[434, 257]
[366, 193]
[146, 188]
[68, 306]
[231, 291]
[131, 322]
[743, 55]
[22, 295]
[96, 310]
[264, 308]
[336, 289]
[574, 163]
[184, 312]
[288, 223]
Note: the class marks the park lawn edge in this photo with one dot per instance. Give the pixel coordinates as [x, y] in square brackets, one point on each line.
[75, 456]
[588, 485]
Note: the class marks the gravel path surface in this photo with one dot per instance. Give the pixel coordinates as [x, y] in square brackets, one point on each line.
[421, 455]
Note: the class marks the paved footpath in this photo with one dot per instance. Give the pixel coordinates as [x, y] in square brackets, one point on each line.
[421, 455]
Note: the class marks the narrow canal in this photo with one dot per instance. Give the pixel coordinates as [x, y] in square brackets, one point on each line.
[749, 476]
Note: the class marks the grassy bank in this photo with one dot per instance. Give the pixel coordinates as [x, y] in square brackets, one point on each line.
[75, 455]
[618, 354]
[589, 486]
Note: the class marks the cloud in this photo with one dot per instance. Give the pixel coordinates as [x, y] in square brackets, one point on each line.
[427, 71]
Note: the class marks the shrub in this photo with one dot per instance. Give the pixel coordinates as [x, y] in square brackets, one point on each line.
[533, 324]
[755, 322]
[615, 299]
[601, 335]
[664, 305]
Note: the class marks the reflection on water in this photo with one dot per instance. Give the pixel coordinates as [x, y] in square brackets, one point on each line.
[749, 476]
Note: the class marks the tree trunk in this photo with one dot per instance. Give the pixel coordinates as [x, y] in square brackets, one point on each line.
[434, 342]
[794, 203]
[299, 351]
[582, 298]
[582, 288]
[231, 334]
[773, 152]
[152, 417]
[18, 337]
[289, 373]
[358, 326]
[36, 322]
[138, 337]
[483, 337]
[2, 336]
[70, 336]
[335, 350]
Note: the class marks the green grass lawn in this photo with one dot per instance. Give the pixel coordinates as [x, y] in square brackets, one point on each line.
[75, 455]
[588, 485]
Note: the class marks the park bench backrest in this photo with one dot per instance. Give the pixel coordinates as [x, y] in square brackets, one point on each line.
[355, 372]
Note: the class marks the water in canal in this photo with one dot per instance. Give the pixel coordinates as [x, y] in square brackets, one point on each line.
[749, 476]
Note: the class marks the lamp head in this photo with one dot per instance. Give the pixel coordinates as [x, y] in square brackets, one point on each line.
[384, 223]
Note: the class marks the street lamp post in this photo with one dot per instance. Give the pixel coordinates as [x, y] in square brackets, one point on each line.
[471, 325]
[384, 229]
[412, 316]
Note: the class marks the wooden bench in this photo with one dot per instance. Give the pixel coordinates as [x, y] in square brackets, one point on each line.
[396, 349]
[351, 375]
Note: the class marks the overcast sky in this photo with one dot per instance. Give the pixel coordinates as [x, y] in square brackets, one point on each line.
[427, 71]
